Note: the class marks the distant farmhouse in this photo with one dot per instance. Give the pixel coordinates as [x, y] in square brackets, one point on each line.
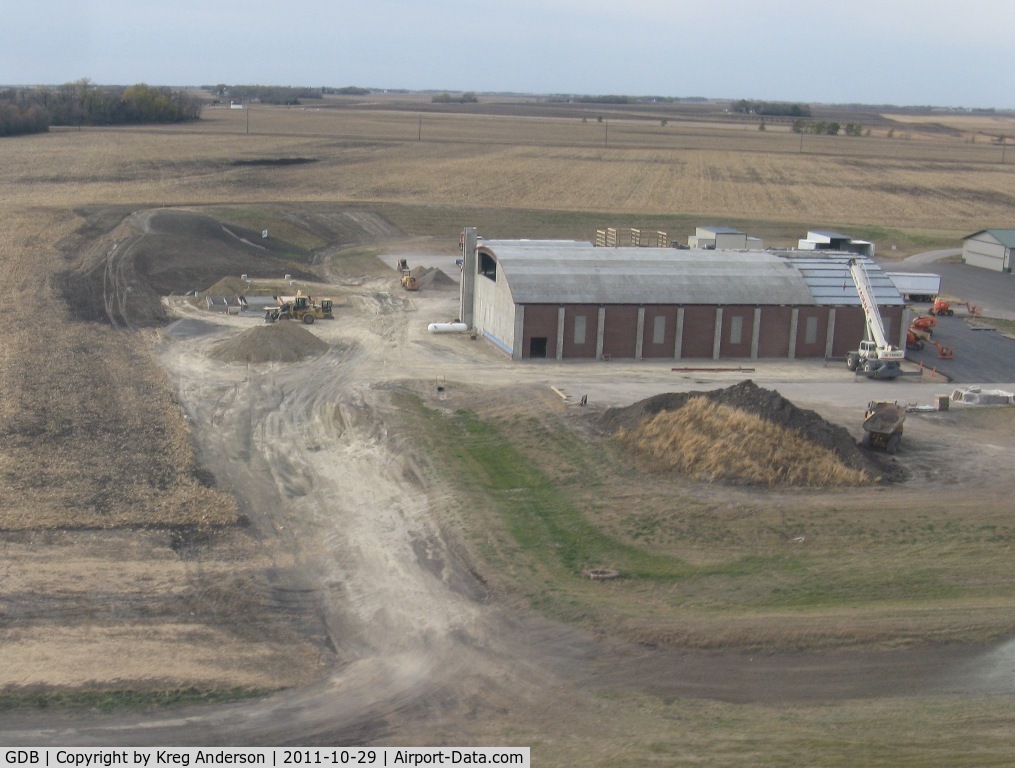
[723, 239]
[821, 240]
[989, 249]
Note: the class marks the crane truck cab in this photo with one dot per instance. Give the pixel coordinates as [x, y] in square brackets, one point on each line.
[876, 362]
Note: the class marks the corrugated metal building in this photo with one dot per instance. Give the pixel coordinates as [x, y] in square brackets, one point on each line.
[569, 299]
[990, 249]
[823, 240]
[723, 238]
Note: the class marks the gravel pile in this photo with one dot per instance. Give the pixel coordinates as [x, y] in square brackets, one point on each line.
[433, 278]
[283, 342]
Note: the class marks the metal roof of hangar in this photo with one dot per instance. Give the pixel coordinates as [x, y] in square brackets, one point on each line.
[827, 276]
[575, 272]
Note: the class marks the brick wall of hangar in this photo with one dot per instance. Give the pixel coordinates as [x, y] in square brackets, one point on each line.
[672, 332]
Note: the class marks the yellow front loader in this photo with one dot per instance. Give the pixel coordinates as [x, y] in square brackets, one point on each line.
[299, 307]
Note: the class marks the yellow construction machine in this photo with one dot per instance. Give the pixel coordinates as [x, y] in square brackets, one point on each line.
[409, 282]
[882, 425]
[299, 307]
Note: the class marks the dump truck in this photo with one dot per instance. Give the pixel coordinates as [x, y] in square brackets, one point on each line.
[882, 426]
[299, 307]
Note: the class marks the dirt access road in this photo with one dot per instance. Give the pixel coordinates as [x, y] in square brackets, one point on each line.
[420, 651]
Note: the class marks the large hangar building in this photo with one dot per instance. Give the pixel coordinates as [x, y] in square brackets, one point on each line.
[572, 300]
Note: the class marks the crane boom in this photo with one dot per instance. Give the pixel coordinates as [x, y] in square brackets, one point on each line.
[870, 307]
[874, 325]
[877, 358]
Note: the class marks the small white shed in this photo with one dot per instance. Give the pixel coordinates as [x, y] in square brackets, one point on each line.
[989, 249]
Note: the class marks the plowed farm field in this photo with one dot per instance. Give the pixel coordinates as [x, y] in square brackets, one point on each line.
[619, 166]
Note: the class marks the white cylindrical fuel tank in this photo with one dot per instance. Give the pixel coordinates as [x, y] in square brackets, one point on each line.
[447, 328]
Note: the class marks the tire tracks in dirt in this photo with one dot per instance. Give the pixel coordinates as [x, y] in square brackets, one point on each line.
[310, 452]
[314, 453]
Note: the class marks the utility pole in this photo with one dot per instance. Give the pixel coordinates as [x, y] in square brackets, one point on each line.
[419, 135]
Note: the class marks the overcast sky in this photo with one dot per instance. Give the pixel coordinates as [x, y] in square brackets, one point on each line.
[908, 52]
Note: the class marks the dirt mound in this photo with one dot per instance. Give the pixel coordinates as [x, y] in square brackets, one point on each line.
[770, 406]
[125, 261]
[281, 342]
[121, 277]
[433, 278]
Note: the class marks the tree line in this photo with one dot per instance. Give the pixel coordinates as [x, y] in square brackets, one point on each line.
[770, 108]
[34, 110]
[469, 97]
[827, 127]
[266, 94]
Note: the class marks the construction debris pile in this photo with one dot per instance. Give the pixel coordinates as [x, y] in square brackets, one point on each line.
[978, 396]
[281, 342]
[744, 435]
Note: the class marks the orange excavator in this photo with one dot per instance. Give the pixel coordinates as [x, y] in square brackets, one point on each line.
[916, 339]
[919, 339]
[919, 335]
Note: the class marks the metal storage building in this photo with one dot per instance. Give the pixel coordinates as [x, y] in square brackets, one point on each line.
[823, 240]
[990, 249]
[569, 299]
[722, 238]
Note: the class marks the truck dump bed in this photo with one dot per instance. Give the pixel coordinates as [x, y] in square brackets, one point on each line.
[886, 418]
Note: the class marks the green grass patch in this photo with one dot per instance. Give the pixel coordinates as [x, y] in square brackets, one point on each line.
[358, 262]
[538, 503]
[1006, 326]
[116, 700]
[447, 222]
[541, 520]
[905, 241]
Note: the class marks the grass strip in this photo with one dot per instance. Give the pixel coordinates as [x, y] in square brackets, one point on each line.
[115, 700]
[543, 520]
[559, 536]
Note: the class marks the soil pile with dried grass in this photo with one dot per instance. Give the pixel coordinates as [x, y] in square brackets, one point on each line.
[745, 435]
[283, 342]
